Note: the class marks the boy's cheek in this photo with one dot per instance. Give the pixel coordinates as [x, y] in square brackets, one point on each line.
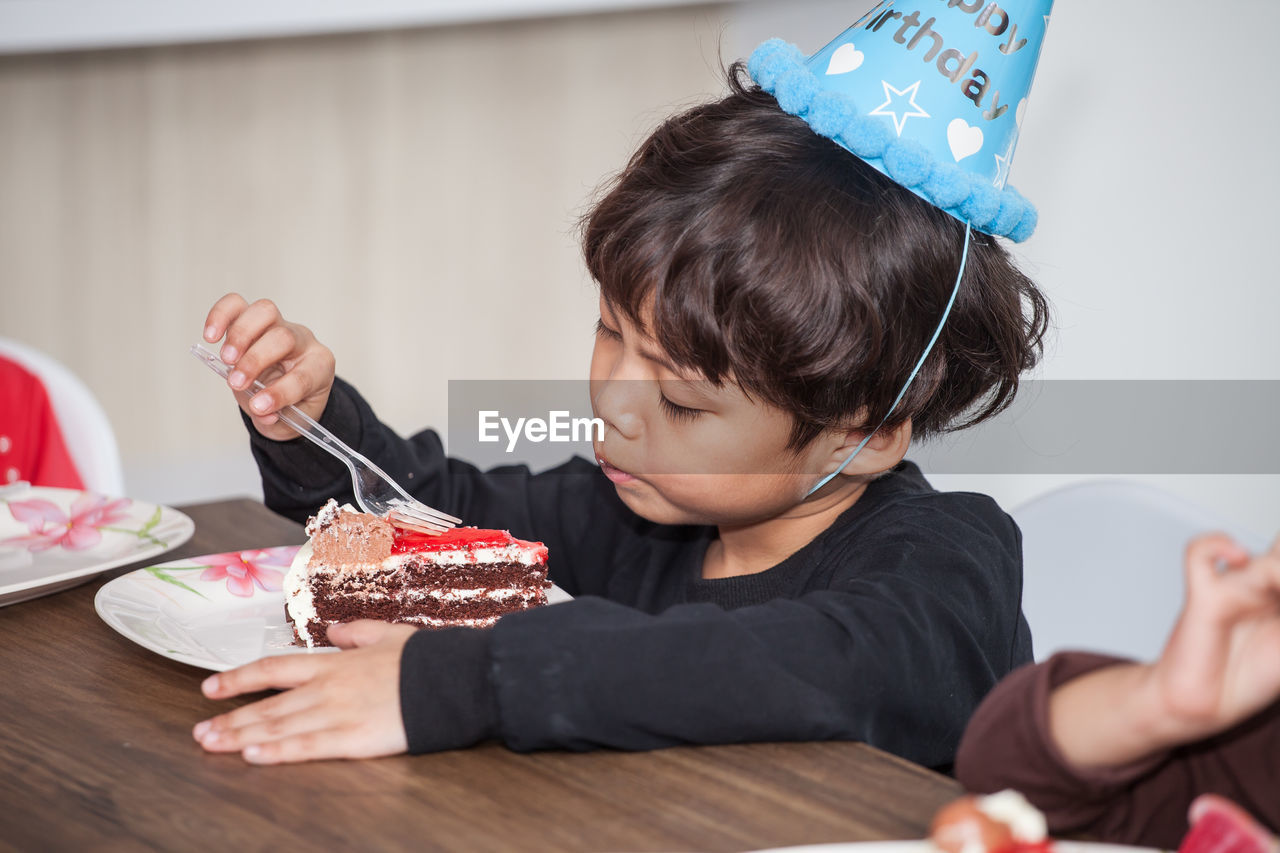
[650, 505]
[712, 499]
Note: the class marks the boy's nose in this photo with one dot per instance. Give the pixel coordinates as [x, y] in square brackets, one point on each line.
[617, 403]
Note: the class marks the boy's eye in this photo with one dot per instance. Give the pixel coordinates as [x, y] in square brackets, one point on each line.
[675, 411]
[611, 334]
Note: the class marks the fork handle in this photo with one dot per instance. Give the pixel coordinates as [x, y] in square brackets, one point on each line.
[307, 427]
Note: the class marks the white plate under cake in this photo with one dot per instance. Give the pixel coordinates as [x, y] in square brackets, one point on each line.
[216, 611]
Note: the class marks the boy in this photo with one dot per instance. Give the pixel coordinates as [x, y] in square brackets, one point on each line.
[752, 560]
[1120, 750]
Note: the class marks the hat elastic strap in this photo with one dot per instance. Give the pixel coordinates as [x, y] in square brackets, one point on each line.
[964, 259]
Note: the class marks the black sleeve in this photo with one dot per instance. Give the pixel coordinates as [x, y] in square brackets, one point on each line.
[890, 656]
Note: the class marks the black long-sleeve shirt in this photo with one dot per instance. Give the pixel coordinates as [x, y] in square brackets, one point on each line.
[889, 627]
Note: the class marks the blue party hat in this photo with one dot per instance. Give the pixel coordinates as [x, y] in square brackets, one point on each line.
[930, 92]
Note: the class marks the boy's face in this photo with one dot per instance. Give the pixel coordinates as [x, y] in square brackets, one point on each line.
[679, 450]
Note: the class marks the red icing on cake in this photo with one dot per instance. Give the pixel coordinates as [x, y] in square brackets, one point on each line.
[459, 538]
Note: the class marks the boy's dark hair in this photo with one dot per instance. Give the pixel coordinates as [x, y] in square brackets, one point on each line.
[774, 258]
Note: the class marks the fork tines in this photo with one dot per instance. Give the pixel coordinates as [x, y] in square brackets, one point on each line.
[420, 517]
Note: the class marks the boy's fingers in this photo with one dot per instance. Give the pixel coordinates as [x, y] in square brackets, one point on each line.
[273, 707]
[349, 741]
[309, 746]
[281, 671]
[247, 327]
[362, 632]
[223, 737]
[276, 343]
[288, 389]
[221, 315]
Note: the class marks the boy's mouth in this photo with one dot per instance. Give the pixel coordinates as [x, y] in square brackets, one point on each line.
[616, 475]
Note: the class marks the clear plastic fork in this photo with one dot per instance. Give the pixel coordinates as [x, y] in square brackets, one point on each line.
[376, 493]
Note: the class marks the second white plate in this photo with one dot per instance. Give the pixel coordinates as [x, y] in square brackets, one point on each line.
[53, 539]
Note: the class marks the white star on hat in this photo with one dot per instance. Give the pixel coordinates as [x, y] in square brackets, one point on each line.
[901, 115]
[1003, 161]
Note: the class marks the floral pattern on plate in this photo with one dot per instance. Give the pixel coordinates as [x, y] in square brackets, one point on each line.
[216, 611]
[52, 539]
[76, 529]
[243, 571]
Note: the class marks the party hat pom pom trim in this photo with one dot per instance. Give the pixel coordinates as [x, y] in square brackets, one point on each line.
[779, 69]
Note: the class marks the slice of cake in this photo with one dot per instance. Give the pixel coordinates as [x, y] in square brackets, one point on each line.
[357, 566]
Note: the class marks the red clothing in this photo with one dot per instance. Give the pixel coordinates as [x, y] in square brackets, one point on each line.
[1007, 745]
[31, 445]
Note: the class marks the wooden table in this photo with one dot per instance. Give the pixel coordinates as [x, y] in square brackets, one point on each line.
[96, 753]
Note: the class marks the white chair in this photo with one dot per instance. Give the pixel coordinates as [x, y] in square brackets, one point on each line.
[85, 428]
[1103, 565]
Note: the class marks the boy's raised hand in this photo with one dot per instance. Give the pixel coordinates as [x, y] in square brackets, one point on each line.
[260, 344]
[343, 705]
[1221, 664]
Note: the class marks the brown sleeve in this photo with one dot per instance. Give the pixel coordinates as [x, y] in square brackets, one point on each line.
[1007, 745]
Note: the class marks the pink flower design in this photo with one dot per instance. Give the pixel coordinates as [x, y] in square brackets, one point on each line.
[49, 526]
[244, 569]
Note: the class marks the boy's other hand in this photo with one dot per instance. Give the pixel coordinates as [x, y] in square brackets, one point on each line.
[286, 357]
[344, 705]
[1222, 662]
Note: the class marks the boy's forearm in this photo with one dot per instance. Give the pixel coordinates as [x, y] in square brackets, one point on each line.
[1111, 717]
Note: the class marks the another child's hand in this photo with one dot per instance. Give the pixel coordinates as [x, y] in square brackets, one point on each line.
[344, 705]
[259, 341]
[1221, 665]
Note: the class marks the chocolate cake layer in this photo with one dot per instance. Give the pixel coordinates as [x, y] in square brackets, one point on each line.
[337, 604]
[474, 614]
[472, 575]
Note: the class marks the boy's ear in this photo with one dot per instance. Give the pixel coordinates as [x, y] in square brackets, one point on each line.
[882, 452]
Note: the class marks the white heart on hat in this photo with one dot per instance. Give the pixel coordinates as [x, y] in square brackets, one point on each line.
[963, 138]
[846, 58]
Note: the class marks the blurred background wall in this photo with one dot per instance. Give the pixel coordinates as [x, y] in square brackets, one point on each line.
[411, 194]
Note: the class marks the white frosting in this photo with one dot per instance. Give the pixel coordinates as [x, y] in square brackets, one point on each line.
[1025, 821]
[297, 592]
[513, 553]
[326, 516]
[504, 594]
[428, 621]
